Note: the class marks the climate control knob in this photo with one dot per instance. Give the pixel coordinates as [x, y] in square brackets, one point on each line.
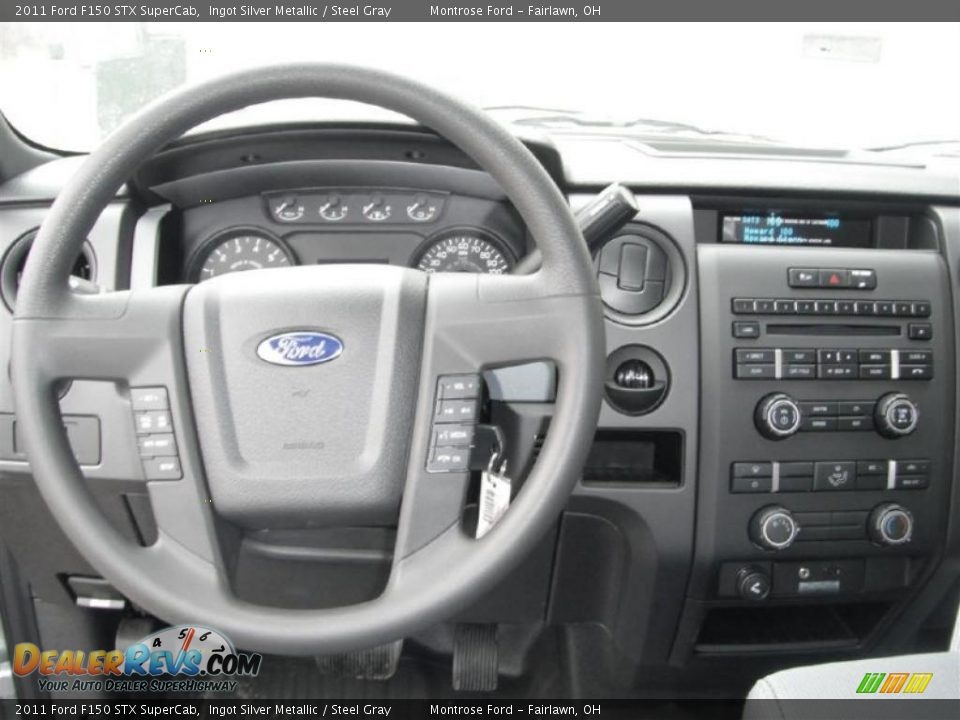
[890, 524]
[896, 415]
[777, 416]
[773, 528]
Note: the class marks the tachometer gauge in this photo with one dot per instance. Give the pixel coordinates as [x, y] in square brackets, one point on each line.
[241, 249]
[466, 251]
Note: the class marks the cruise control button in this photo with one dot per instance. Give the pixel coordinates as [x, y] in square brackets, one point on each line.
[449, 459]
[153, 421]
[451, 387]
[834, 475]
[149, 398]
[803, 277]
[162, 468]
[459, 411]
[453, 435]
[160, 444]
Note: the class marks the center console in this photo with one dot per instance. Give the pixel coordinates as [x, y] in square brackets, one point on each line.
[827, 406]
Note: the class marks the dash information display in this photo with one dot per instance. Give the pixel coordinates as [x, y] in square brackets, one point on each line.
[779, 229]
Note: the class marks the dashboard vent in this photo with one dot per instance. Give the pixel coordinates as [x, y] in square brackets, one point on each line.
[11, 267]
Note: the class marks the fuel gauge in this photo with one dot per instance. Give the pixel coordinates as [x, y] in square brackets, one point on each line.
[378, 209]
[423, 209]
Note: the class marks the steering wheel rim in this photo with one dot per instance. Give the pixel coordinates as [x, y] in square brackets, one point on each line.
[138, 337]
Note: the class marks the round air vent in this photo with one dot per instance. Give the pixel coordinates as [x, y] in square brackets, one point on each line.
[11, 268]
[641, 275]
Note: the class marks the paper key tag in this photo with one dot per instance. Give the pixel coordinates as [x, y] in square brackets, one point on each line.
[495, 490]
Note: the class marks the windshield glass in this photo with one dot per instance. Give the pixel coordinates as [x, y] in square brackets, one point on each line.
[858, 85]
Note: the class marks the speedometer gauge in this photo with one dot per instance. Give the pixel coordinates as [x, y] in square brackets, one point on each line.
[242, 249]
[465, 251]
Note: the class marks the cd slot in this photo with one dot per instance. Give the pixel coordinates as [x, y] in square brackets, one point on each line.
[833, 330]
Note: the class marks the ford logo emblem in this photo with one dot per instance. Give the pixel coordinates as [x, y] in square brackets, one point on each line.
[300, 348]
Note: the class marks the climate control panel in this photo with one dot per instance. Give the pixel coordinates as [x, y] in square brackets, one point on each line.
[779, 416]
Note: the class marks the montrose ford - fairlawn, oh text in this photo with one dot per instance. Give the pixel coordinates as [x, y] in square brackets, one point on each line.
[316, 11]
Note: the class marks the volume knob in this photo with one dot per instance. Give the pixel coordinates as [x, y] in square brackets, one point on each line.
[777, 416]
[896, 415]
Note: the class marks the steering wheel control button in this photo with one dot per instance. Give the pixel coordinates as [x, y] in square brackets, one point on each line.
[457, 411]
[753, 584]
[773, 528]
[162, 468]
[453, 435]
[834, 475]
[459, 387]
[890, 524]
[153, 421]
[160, 444]
[449, 459]
[149, 398]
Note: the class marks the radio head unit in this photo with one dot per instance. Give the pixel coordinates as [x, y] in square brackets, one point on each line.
[779, 228]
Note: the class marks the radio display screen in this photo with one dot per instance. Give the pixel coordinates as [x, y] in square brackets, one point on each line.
[774, 228]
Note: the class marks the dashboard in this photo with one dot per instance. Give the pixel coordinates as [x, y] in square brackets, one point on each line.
[774, 465]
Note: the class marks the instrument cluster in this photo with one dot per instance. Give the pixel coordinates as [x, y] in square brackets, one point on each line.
[427, 230]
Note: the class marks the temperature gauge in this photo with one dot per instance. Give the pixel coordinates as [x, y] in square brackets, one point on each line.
[288, 209]
[423, 209]
[334, 209]
[377, 210]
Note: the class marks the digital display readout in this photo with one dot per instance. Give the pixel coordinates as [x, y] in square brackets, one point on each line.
[778, 229]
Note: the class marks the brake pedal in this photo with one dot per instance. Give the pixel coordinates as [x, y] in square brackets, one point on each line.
[378, 663]
[476, 658]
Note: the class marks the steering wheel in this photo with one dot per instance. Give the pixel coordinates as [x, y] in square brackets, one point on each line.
[338, 443]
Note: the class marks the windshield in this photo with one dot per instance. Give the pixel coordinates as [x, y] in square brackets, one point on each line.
[856, 85]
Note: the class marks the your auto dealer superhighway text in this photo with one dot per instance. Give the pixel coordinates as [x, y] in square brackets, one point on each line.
[332, 11]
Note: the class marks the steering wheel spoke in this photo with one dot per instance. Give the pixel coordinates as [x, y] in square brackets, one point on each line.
[131, 336]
